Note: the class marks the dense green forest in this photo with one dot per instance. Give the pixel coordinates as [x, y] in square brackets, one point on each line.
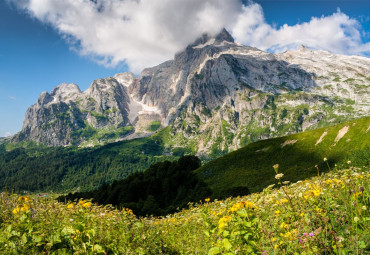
[36, 168]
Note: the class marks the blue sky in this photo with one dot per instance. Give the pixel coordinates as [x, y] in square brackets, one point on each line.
[40, 47]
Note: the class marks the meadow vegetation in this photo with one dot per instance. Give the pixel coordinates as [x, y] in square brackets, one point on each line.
[327, 214]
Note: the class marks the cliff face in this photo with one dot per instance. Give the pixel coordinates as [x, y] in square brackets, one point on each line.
[216, 96]
[57, 115]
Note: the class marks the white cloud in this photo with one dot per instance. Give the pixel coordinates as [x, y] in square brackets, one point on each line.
[12, 98]
[337, 33]
[7, 134]
[144, 33]
[141, 32]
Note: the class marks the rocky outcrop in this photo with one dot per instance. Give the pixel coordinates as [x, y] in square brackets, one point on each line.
[216, 96]
[57, 115]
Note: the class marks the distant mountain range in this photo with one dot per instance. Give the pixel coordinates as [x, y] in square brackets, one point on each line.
[215, 96]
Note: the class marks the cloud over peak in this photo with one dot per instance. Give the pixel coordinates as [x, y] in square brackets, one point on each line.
[337, 33]
[143, 33]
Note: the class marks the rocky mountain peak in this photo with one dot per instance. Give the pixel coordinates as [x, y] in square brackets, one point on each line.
[302, 48]
[66, 91]
[206, 39]
[224, 35]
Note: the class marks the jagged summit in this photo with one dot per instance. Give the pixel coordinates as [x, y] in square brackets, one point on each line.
[206, 39]
[302, 48]
[224, 35]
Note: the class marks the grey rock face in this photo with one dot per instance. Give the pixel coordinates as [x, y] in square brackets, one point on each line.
[216, 95]
[56, 117]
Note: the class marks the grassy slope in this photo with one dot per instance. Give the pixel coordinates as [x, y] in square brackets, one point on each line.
[251, 166]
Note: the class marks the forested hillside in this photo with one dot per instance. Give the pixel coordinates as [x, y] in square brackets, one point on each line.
[59, 169]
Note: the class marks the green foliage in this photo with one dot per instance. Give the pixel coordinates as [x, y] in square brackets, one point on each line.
[199, 76]
[349, 80]
[180, 151]
[154, 126]
[40, 168]
[336, 79]
[206, 111]
[99, 117]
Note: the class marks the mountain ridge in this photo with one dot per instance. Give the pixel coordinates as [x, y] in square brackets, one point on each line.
[214, 90]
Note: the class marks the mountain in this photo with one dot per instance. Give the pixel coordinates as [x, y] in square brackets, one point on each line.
[215, 96]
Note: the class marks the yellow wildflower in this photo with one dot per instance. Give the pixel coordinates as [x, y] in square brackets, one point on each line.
[249, 205]
[77, 234]
[127, 210]
[25, 207]
[284, 200]
[317, 192]
[207, 200]
[357, 194]
[284, 225]
[86, 205]
[16, 210]
[236, 207]
[69, 206]
[24, 198]
[287, 235]
[223, 221]
[277, 212]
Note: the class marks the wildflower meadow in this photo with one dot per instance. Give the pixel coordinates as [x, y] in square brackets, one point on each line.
[327, 214]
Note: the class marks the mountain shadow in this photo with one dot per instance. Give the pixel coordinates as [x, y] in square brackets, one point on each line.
[164, 188]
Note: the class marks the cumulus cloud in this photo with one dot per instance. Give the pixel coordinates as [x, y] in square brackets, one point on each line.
[7, 134]
[140, 32]
[143, 33]
[337, 33]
